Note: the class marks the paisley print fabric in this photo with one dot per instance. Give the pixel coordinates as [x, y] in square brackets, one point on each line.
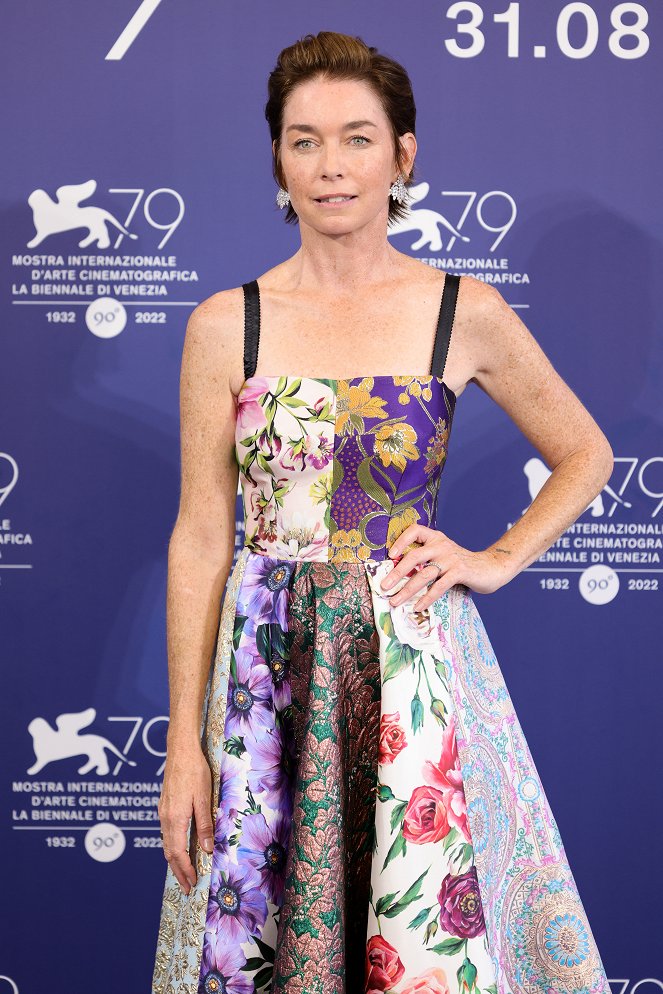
[380, 823]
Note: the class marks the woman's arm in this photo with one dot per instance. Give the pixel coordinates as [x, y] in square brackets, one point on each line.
[516, 373]
[504, 359]
[200, 554]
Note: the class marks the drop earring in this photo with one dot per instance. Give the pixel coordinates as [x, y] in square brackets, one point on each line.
[397, 189]
[282, 198]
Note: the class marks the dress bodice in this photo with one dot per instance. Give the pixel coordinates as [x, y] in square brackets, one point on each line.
[335, 470]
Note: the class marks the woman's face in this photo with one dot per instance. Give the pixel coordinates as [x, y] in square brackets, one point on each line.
[336, 139]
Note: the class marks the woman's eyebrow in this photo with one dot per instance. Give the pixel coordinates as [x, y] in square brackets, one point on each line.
[350, 124]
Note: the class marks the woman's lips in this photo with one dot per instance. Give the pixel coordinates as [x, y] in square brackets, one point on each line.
[336, 203]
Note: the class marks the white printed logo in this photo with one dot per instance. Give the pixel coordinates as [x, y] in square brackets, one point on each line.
[105, 842]
[51, 744]
[426, 221]
[494, 212]
[65, 213]
[106, 317]
[599, 584]
[597, 551]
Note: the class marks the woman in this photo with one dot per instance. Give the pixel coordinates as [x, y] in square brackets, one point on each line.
[366, 813]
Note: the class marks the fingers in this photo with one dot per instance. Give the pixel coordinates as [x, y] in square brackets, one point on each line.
[177, 856]
[407, 562]
[430, 550]
[203, 824]
[415, 585]
[186, 802]
[413, 533]
[436, 590]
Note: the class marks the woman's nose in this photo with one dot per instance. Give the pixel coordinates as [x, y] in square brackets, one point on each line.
[331, 161]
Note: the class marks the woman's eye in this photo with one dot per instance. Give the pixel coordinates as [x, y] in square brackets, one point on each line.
[300, 141]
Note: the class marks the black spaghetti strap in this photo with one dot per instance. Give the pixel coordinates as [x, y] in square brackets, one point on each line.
[251, 327]
[445, 323]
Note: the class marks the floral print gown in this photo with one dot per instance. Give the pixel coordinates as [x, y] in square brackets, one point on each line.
[380, 823]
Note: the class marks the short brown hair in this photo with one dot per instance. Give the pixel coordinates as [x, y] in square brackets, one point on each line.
[339, 56]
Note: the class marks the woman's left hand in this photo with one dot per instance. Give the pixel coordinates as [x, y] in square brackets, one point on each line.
[484, 572]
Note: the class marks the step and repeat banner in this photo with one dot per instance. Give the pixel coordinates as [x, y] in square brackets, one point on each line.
[136, 182]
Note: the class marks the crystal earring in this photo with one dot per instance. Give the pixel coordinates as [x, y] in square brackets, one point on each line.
[282, 198]
[397, 189]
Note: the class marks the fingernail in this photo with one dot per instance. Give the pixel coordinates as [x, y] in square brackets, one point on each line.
[207, 845]
[192, 883]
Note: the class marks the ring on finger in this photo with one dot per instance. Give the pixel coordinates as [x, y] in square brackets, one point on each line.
[398, 595]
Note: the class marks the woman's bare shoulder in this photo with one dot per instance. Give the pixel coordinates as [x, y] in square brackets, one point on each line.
[478, 293]
[221, 306]
[215, 334]
[484, 318]
[480, 306]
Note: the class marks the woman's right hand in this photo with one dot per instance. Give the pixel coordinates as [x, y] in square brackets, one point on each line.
[186, 792]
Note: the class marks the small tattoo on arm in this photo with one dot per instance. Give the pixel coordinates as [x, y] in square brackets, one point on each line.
[507, 552]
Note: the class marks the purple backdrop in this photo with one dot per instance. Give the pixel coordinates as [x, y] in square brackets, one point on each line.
[538, 172]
